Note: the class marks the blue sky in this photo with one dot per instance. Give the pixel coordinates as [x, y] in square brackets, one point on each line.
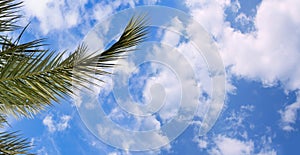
[258, 41]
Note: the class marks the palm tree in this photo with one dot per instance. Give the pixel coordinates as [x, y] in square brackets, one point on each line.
[32, 78]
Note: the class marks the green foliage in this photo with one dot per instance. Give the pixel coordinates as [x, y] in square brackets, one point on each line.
[8, 15]
[11, 143]
[31, 77]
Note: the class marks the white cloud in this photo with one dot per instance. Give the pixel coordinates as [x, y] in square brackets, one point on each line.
[47, 121]
[231, 146]
[113, 153]
[57, 17]
[210, 14]
[236, 121]
[64, 123]
[102, 10]
[42, 151]
[289, 115]
[150, 2]
[266, 149]
[250, 55]
[149, 123]
[271, 152]
[233, 138]
[165, 77]
[243, 19]
[169, 99]
[53, 125]
[260, 55]
[202, 142]
[269, 54]
[54, 14]
[235, 6]
[128, 140]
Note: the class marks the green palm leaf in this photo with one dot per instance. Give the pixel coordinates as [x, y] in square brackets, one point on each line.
[11, 143]
[8, 15]
[31, 77]
[29, 83]
[2, 120]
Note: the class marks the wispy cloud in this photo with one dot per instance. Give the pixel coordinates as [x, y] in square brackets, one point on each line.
[289, 115]
[235, 137]
[59, 125]
[231, 146]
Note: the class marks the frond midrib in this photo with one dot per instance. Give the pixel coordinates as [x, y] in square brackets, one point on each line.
[33, 74]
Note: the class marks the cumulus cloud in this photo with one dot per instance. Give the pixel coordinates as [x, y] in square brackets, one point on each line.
[269, 54]
[167, 101]
[205, 10]
[259, 55]
[53, 125]
[54, 14]
[262, 55]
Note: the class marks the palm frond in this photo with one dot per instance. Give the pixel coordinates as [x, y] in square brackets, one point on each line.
[8, 15]
[2, 120]
[31, 77]
[29, 83]
[134, 33]
[11, 143]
